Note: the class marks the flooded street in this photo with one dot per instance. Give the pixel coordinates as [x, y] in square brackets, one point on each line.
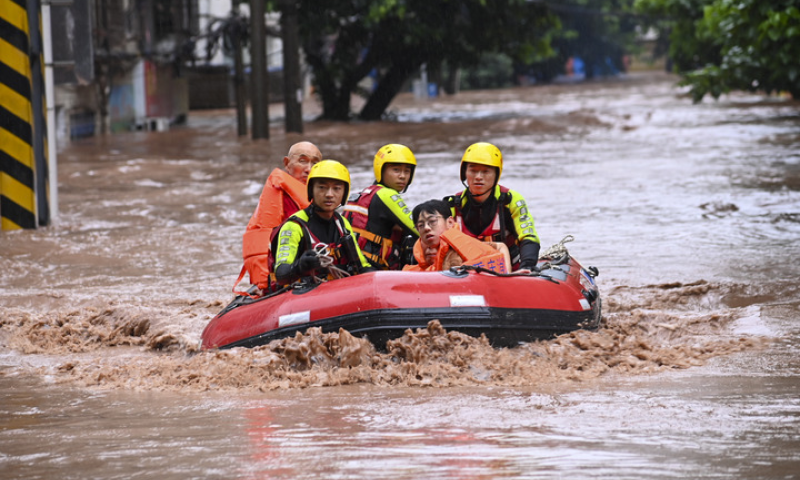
[691, 213]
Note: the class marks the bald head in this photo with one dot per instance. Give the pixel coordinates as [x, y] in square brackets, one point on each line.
[301, 157]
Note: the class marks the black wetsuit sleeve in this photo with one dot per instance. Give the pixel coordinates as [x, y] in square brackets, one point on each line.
[528, 254]
[286, 273]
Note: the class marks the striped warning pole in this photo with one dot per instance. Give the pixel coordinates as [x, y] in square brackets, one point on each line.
[23, 162]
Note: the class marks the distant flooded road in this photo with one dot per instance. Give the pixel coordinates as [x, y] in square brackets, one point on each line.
[691, 213]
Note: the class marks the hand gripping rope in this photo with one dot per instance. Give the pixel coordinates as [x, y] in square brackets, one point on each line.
[556, 254]
[326, 261]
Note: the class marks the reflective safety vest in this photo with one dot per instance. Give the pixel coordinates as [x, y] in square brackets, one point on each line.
[338, 250]
[497, 231]
[269, 215]
[472, 251]
[357, 213]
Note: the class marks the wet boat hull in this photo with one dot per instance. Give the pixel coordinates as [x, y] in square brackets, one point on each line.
[381, 306]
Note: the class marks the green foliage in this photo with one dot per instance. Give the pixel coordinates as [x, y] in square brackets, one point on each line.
[346, 40]
[598, 31]
[676, 22]
[494, 71]
[724, 45]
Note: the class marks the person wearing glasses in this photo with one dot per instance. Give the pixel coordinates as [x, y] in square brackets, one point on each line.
[284, 194]
[442, 245]
[488, 211]
[379, 214]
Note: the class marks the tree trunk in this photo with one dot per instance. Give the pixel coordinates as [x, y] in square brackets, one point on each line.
[388, 88]
[238, 80]
[335, 102]
[259, 97]
[292, 91]
[102, 88]
[452, 83]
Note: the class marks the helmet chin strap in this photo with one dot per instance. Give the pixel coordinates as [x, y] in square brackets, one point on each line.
[472, 197]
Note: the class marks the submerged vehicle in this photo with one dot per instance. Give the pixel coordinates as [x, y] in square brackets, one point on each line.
[508, 308]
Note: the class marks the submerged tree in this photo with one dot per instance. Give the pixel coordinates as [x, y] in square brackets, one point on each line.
[345, 41]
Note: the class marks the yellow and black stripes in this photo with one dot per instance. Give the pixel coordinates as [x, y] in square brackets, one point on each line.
[17, 157]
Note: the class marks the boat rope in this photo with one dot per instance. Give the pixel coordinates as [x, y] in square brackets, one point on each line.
[556, 255]
[464, 268]
[326, 261]
[557, 250]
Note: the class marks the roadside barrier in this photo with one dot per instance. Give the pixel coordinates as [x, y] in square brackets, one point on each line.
[23, 153]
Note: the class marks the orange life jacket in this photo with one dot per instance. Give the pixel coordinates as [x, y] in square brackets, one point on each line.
[472, 251]
[269, 215]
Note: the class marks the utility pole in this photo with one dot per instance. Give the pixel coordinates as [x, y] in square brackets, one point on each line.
[37, 105]
[259, 79]
[238, 74]
[292, 90]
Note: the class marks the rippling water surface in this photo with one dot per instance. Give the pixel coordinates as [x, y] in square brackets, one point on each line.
[690, 212]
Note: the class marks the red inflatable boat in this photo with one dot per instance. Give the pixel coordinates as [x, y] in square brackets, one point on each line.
[508, 309]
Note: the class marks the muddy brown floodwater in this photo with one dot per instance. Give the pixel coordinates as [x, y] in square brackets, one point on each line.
[691, 213]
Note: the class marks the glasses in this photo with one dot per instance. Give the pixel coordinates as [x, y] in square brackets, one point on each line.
[431, 222]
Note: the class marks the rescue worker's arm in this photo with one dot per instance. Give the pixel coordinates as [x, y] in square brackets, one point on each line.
[395, 207]
[528, 255]
[289, 266]
[526, 232]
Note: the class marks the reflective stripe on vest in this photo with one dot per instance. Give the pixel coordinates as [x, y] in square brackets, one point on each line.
[312, 241]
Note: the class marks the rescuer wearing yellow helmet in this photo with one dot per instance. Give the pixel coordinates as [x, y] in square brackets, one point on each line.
[317, 238]
[491, 212]
[379, 214]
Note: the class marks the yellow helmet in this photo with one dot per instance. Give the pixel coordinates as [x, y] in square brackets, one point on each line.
[329, 169]
[393, 153]
[484, 154]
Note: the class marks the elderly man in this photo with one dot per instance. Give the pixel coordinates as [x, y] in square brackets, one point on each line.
[283, 195]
